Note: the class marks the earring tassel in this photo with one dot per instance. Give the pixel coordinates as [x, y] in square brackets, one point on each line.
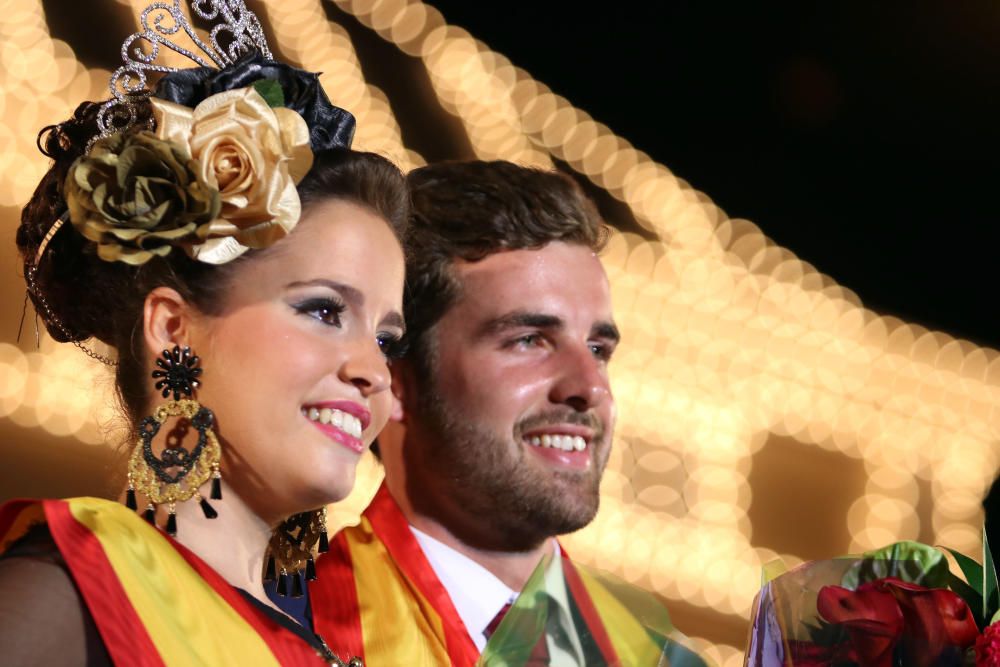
[208, 510]
[270, 572]
[296, 585]
[172, 525]
[216, 488]
[283, 584]
[324, 543]
[130, 500]
[150, 515]
[310, 570]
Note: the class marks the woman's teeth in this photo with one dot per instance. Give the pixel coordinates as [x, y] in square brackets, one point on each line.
[567, 443]
[347, 423]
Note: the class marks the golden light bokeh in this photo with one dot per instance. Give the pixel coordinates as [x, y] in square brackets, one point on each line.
[731, 343]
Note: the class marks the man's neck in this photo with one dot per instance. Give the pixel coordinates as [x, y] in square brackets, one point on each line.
[513, 568]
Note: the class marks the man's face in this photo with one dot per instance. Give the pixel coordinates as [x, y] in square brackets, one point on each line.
[512, 427]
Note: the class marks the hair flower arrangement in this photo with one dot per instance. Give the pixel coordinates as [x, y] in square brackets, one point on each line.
[136, 196]
[216, 180]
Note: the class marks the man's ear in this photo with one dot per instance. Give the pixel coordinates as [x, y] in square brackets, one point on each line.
[166, 320]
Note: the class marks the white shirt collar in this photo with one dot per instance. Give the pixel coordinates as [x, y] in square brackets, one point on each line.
[478, 595]
[475, 591]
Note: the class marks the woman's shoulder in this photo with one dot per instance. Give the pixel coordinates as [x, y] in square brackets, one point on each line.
[36, 543]
[43, 618]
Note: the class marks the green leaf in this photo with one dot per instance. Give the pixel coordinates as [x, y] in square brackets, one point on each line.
[910, 561]
[972, 570]
[271, 91]
[990, 595]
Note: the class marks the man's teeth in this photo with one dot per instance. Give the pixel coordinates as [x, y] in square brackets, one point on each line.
[567, 443]
[347, 423]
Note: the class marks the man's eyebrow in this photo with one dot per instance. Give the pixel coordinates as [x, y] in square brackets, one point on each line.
[606, 330]
[519, 318]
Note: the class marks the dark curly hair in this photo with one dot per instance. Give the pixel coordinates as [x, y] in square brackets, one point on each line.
[89, 297]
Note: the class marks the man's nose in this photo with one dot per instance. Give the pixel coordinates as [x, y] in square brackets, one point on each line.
[582, 381]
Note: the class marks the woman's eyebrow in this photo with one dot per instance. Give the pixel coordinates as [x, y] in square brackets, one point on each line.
[394, 319]
[352, 295]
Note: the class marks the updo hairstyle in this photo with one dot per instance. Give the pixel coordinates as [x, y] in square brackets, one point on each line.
[90, 297]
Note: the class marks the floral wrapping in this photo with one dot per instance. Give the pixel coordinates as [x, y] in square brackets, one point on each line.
[890, 608]
[615, 623]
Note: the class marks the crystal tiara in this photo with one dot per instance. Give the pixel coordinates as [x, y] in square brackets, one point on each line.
[236, 32]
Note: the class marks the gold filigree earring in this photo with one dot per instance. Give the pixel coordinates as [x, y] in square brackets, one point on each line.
[177, 474]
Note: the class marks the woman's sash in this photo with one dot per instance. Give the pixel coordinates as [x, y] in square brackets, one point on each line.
[154, 602]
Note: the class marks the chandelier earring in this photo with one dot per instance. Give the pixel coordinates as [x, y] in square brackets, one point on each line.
[290, 559]
[177, 474]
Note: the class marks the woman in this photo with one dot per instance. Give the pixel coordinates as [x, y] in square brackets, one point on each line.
[245, 266]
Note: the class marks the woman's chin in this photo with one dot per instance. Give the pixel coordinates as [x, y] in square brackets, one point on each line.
[331, 489]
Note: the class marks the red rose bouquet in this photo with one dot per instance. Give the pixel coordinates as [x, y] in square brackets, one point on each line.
[899, 606]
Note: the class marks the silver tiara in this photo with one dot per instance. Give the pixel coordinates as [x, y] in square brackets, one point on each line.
[163, 21]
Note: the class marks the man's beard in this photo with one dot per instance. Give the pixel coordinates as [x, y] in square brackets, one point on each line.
[517, 502]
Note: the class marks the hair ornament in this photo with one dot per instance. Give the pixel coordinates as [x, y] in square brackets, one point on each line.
[161, 22]
[214, 171]
[184, 179]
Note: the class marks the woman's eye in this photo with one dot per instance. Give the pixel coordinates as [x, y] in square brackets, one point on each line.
[392, 346]
[326, 311]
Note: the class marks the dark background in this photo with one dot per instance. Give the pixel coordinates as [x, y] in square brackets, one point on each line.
[862, 136]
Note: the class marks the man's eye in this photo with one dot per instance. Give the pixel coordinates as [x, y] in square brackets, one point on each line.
[326, 311]
[601, 351]
[528, 340]
[392, 346]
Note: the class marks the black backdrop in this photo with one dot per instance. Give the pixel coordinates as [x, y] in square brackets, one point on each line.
[863, 136]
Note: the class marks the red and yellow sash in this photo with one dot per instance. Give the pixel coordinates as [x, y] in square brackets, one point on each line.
[377, 597]
[154, 602]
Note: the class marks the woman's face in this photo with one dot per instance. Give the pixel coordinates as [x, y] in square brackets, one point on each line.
[295, 367]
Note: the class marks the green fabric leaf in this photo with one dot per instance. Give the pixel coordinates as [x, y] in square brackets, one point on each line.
[910, 561]
[271, 91]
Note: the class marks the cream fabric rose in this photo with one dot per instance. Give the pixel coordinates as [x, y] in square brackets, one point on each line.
[253, 154]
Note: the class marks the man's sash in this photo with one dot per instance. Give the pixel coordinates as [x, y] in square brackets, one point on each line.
[154, 602]
[377, 597]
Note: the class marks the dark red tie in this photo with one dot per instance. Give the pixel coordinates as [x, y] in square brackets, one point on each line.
[495, 623]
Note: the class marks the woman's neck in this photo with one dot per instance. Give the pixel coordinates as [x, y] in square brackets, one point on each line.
[233, 544]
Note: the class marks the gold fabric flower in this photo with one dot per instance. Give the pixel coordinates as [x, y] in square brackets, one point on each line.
[253, 154]
[136, 196]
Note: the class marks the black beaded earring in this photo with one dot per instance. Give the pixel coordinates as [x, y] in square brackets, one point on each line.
[290, 553]
[177, 474]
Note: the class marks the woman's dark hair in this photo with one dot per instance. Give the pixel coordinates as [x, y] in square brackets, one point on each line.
[89, 297]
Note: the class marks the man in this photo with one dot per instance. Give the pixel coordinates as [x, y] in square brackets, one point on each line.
[508, 415]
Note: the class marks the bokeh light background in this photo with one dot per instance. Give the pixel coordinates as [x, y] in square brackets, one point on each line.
[764, 411]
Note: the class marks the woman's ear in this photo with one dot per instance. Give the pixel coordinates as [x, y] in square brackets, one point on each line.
[166, 320]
